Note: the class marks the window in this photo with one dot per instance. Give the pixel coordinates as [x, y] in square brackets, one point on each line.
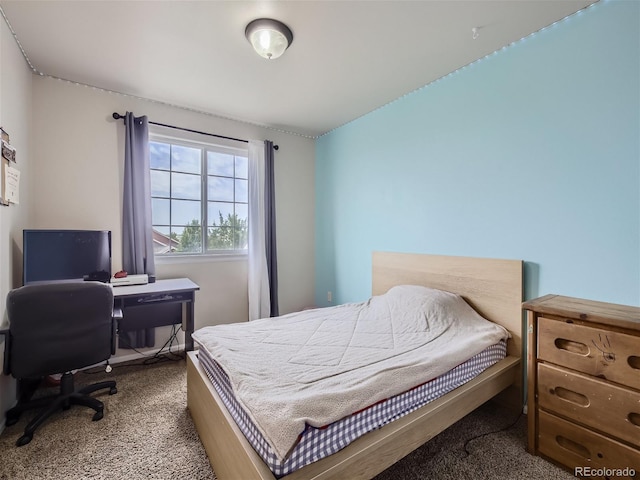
[195, 184]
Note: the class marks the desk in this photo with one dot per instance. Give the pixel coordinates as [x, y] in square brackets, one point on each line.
[163, 293]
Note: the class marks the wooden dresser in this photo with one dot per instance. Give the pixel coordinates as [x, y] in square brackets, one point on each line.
[583, 400]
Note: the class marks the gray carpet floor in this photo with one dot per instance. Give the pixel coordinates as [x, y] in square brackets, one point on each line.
[147, 433]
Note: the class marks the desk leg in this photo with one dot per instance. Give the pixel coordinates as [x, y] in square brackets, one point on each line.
[188, 340]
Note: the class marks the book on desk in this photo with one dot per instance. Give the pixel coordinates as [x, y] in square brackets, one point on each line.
[139, 279]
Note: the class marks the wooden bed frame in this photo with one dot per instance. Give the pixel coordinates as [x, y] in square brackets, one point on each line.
[492, 287]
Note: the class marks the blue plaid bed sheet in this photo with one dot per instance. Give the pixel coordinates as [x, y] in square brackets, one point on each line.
[317, 443]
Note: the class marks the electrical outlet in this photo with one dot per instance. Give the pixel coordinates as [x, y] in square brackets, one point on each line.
[329, 296]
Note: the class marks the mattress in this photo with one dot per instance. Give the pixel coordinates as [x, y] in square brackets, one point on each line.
[317, 443]
[319, 366]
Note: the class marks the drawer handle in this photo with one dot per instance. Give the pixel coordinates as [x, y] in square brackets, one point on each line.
[571, 396]
[634, 418]
[571, 346]
[573, 446]
[634, 362]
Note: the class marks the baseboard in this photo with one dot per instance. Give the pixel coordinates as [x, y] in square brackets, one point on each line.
[145, 354]
[137, 356]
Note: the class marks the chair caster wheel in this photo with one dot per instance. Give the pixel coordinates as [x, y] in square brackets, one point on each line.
[113, 391]
[98, 416]
[23, 440]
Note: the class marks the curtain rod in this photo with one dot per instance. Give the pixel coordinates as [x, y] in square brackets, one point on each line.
[117, 116]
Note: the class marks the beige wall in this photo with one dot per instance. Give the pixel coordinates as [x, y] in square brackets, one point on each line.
[15, 118]
[77, 176]
[70, 154]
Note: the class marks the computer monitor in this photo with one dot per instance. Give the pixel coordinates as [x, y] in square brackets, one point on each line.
[66, 255]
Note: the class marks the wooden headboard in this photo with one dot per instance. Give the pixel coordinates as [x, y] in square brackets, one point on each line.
[492, 287]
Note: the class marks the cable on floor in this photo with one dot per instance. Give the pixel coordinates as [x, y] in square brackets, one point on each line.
[159, 356]
[503, 429]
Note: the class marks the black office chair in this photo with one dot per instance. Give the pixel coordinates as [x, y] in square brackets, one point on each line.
[56, 328]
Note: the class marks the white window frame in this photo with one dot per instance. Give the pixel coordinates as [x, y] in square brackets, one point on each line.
[196, 141]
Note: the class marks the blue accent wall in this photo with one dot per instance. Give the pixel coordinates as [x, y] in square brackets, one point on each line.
[530, 153]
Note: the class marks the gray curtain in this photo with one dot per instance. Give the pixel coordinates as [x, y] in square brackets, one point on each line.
[137, 236]
[270, 226]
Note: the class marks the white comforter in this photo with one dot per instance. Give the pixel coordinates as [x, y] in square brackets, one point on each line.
[317, 366]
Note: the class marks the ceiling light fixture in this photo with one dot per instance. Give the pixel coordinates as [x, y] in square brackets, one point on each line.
[270, 38]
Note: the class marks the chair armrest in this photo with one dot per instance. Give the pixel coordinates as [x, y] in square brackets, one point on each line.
[7, 339]
[116, 317]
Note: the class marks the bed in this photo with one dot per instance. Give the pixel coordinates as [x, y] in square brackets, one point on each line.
[492, 287]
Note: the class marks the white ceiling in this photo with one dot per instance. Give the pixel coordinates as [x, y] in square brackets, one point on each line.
[347, 57]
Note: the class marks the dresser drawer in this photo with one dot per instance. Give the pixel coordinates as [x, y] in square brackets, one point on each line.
[576, 446]
[611, 355]
[604, 406]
